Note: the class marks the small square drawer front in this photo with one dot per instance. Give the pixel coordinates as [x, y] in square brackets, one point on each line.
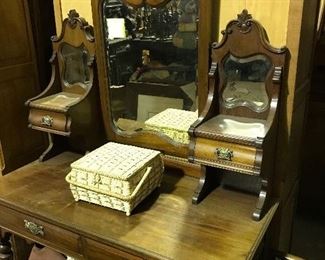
[50, 121]
[99, 251]
[40, 231]
[234, 157]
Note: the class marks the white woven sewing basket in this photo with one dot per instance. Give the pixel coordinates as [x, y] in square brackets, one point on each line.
[174, 123]
[115, 175]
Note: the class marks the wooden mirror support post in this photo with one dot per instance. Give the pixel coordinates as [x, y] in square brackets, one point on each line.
[68, 106]
[2, 159]
[236, 131]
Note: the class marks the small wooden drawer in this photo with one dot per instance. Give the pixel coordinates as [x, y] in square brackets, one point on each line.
[49, 121]
[40, 231]
[234, 157]
[99, 251]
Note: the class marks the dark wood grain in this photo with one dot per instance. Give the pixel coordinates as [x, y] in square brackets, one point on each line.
[43, 27]
[18, 82]
[300, 41]
[165, 226]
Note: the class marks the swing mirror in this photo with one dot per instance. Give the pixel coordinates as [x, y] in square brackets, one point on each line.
[149, 81]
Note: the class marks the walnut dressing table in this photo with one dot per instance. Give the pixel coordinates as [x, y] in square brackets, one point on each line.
[36, 203]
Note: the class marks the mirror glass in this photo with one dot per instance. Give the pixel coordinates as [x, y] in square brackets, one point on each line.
[75, 69]
[152, 61]
[246, 82]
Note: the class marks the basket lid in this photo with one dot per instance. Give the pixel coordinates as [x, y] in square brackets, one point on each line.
[115, 160]
[172, 118]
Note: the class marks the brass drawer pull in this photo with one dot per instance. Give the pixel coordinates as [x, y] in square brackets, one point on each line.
[47, 120]
[224, 154]
[34, 228]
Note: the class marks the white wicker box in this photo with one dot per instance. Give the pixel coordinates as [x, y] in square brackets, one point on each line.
[174, 123]
[115, 175]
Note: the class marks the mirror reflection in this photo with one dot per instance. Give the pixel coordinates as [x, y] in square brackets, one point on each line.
[152, 62]
[75, 69]
[246, 82]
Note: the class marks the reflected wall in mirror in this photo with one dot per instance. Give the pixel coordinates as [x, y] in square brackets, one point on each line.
[245, 82]
[75, 65]
[152, 59]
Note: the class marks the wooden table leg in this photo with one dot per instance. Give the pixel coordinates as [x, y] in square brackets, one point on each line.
[5, 247]
[261, 204]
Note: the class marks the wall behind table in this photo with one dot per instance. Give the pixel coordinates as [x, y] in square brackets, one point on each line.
[62, 7]
[272, 14]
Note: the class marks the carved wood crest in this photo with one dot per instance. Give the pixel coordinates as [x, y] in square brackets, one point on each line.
[72, 21]
[244, 21]
[73, 17]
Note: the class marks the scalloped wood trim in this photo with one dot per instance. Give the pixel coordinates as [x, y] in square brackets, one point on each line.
[228, 138]
[226, 165]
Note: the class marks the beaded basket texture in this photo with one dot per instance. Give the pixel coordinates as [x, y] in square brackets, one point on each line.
[174, 123]
[116, 175]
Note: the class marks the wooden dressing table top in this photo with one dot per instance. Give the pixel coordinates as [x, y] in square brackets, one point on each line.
[165, 225]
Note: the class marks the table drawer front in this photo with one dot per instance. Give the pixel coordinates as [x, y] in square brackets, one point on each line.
[39, 231]
[98, 251]
[49, 120]
[227, 155]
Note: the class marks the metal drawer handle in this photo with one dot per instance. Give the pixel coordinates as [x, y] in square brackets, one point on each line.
[34, 228]
[47, 120]
[224, 154]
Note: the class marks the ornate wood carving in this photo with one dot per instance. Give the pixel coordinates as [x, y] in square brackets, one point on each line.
[72, 21]
[244, 21]
[73, 16]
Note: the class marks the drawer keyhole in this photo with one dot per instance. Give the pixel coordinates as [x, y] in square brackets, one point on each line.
[34, 228]
[47, 121]
[224, 154]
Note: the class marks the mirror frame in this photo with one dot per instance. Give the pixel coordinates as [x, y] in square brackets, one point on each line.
[144, 138]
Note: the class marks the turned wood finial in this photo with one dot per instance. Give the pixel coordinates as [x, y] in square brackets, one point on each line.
[244, 21]
[74, 18]
[72, 15]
